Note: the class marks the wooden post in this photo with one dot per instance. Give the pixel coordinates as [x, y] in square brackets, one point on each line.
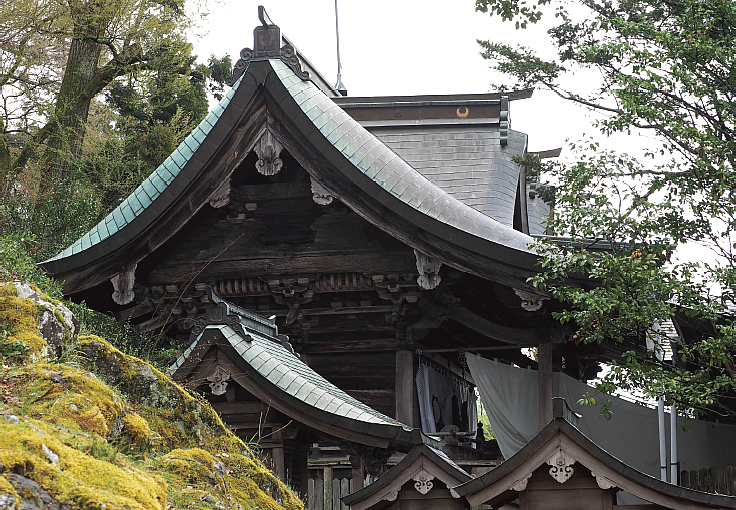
[358, 472]
[405, 387]
[544, 358]
[327, 477]
[277, 453]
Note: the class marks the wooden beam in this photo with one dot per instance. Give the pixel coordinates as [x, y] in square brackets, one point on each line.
[156, 322]
[134, 311]
[505, 334]
[306, 263]
[378, 345]
[266, 192]
[544, 373]
[405, 387]
[343, 310]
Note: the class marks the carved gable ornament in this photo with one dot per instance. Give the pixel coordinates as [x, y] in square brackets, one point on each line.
[218, 380]
[429, 269]
[530, 301]
[122, 284]
[423, 481]
[268, 149]
[561, 463]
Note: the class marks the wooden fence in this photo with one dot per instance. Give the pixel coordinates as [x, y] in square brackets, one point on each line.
[715, 480]
[327, 486]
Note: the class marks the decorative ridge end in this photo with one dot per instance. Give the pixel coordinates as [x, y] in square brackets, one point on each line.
[267, 45]
[223, 313]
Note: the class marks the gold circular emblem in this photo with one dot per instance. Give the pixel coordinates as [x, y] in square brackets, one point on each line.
[462, 112]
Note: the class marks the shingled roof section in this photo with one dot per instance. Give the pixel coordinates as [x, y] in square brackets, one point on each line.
[354, 166]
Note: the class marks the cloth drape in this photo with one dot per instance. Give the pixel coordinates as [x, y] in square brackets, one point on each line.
[510, 396]
[444, 399]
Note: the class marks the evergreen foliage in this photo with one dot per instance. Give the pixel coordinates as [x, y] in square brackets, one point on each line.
[95, 95]
[666, 68]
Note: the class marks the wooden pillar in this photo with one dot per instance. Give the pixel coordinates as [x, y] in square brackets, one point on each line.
[327, 477]
[358, 472]
[277, 454]
[544, 358]
[405, 387]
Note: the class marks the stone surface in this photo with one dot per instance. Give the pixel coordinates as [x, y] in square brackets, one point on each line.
[53, 458]
[14, 420]
[57, 324]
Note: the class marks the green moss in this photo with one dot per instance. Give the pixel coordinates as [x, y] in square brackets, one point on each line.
[88, 482]
[230, 477]
[22, 316]
[172, 448]
[137, 428]
[71, 397]
[7, 488]
[8, 289]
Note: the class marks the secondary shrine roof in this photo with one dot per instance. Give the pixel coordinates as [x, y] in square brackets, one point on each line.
[422, 459]
[560, 445]
[268, 362]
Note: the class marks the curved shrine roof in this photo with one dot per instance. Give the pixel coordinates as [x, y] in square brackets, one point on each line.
[181, 185]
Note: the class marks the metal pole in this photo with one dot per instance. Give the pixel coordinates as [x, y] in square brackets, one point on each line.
[339, 86]
[662, 442]
[660, 411]
[673, 444]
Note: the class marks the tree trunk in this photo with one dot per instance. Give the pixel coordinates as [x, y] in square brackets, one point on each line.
[4, 156]
[71, 111]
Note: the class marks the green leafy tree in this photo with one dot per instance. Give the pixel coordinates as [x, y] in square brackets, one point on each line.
[70, 152]
[666, 67]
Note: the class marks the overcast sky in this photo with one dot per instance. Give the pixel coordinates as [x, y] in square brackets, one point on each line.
[399, 47]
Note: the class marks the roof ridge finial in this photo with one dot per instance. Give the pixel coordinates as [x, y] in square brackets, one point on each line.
[267, 45]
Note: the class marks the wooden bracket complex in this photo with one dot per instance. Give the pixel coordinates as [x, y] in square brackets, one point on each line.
[320, 195]
[429, 269]
[123, 283]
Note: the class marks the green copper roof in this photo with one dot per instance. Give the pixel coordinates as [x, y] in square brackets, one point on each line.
[152, 187]
[289, 374]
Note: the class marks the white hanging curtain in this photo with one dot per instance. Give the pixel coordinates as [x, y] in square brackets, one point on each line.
[510, 396]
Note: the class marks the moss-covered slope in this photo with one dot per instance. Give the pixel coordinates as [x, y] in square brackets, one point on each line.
[100, 429]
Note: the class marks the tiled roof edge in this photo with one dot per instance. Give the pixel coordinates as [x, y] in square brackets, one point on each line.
[150, 189]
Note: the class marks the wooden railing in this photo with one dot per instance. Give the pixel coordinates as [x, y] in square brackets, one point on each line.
[714, 480]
